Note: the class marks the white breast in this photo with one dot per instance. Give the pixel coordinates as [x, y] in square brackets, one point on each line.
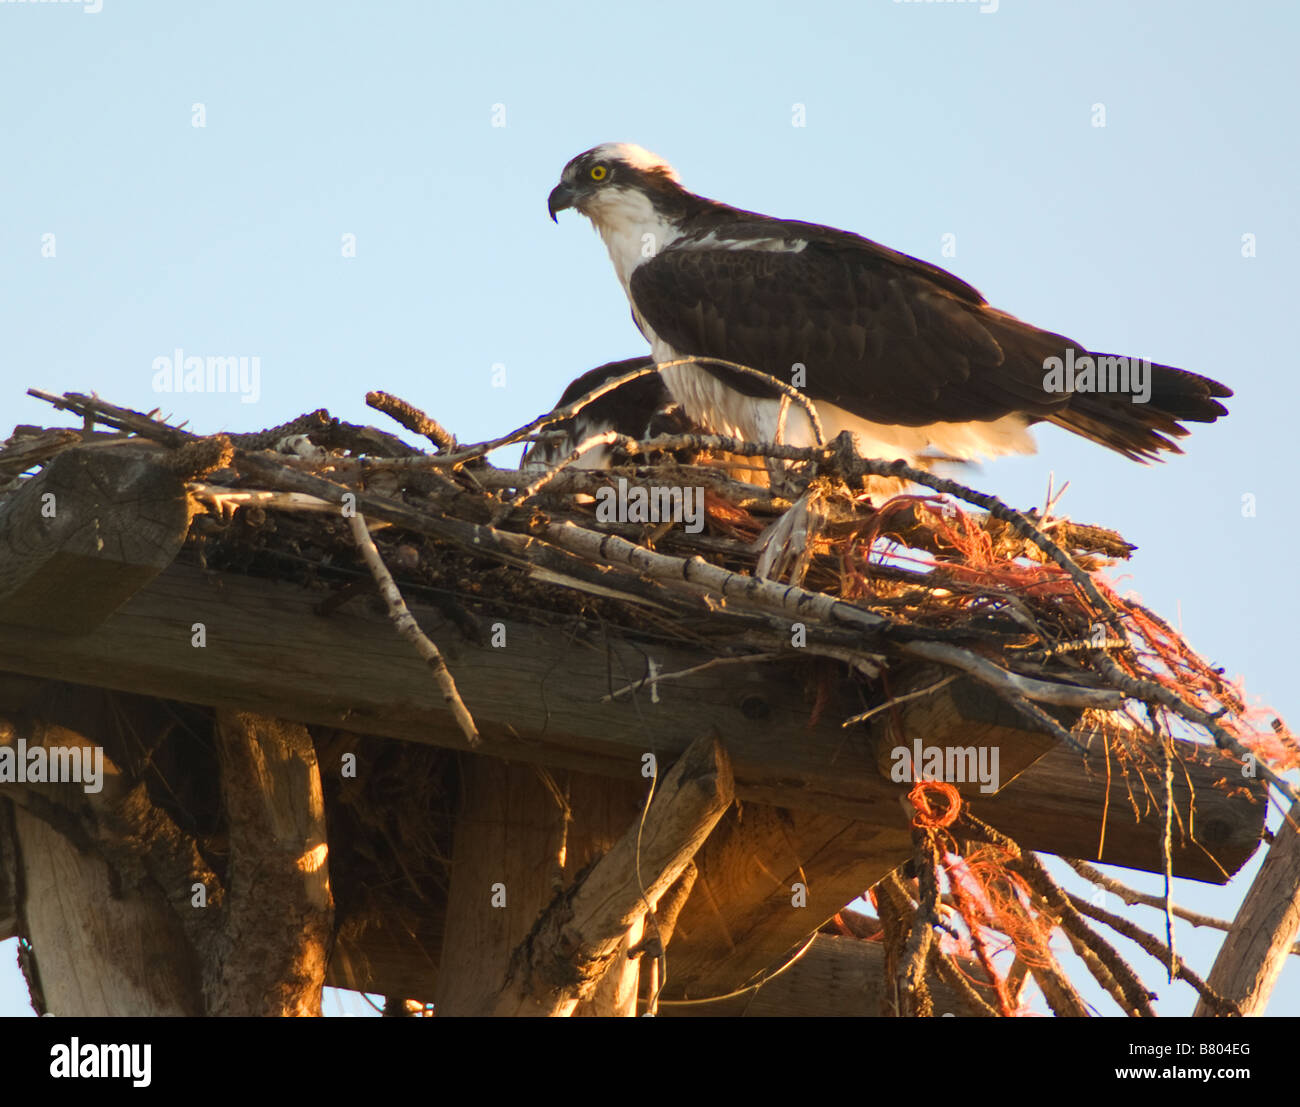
[632, 230]
[710, 403]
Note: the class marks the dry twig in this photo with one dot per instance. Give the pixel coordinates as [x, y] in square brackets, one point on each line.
[409, 629]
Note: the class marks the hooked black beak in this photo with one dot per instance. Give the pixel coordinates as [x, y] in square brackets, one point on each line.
[562, 196]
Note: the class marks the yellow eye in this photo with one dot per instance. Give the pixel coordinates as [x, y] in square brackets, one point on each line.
[599, 172]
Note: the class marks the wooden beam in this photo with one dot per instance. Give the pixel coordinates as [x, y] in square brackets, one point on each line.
[577, 939]
[1056, 800]
[836, 977]
[107, 939]
[769, 878]
[521, 835]
[972, 731]
[540, 698]
[745, 916]
[86, 533]
[1260, 940]
[97, 954]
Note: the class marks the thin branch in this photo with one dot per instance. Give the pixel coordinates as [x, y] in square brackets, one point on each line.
[951, 975]
[800, 604]
[914, 996]
[660, 678]
[1150, 690]
[1138, 998]
[605, 438]
[1131, 896]
[1159, 950]
[559, 415]
[228, 500]
[409, 629]
[896, 700]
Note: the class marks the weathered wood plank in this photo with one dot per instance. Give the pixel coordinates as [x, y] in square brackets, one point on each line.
[539, 699]
[836, 977]
[97, 954]
[81, 537]
[514, 850]
[981, 738]
[768, 878]
[583, 933]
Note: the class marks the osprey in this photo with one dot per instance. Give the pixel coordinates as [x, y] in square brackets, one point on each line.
[641, 408]
[904, 355]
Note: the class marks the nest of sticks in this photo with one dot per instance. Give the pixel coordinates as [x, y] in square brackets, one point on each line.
[808, 559]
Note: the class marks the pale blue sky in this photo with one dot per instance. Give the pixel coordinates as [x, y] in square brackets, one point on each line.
[922, 120]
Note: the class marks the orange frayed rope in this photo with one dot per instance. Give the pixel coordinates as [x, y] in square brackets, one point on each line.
[926, 795]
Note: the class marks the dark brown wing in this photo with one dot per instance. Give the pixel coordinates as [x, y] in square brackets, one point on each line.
[881, 334]
[878, 338]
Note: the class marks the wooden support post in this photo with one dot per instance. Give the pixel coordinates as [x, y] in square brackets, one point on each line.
[146, 857]
[580, 934]
[104, 944]
[258, 946]
[275, 944]
[99, 954]
[519, 841]
[1260, 940]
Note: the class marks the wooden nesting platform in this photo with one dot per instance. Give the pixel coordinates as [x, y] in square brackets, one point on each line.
[132, 621]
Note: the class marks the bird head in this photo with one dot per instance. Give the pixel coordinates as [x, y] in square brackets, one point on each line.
[602, 178]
